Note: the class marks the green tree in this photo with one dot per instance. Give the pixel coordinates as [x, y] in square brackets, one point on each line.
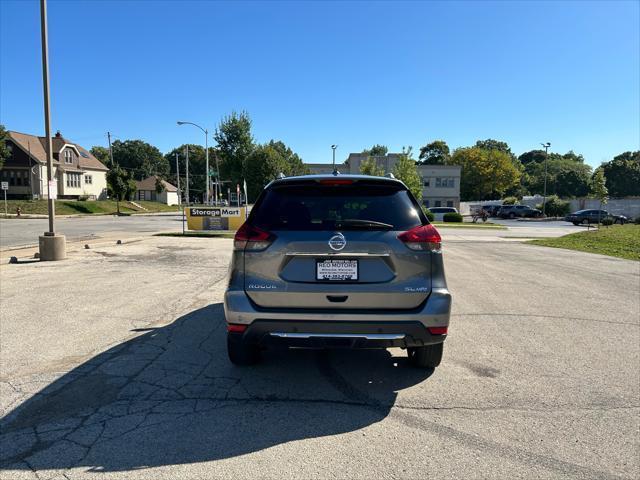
[599, 187]
[536, 156]
[567, 175]
[120, 185]
[197, 168]
[370, 167]
[491, 144]
[5, 153]
[485, 173]
[407, 171]
[266, 161]
[623, 174]
[435, 153]
[140, 158]
[102, 154]
[376, 151]
[235, 144]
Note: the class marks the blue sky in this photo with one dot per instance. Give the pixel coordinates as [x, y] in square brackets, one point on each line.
[313, 74]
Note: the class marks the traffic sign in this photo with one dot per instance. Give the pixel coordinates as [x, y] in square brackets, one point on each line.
[5, 185]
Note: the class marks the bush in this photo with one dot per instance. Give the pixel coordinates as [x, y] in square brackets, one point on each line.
[510, 201]
[607, 221]
[428, 213]
[637, 221]
[555, 207]
[452, 217]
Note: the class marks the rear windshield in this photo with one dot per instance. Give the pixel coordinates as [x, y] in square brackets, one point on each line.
[349, 207]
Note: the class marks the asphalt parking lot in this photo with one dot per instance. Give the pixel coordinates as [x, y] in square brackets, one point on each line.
[113, 364]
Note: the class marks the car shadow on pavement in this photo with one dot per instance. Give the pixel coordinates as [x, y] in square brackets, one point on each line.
[170, 396]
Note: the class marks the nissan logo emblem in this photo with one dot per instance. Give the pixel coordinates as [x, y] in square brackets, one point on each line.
[337, 242]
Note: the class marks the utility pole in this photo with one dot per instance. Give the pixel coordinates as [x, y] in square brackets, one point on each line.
[178, 177]
[187, 187]
[544, 195]
[112, 165]
[52, 246]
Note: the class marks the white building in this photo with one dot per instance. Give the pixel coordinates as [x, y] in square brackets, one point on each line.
[440, 183]
[77, 173]
[147, 189]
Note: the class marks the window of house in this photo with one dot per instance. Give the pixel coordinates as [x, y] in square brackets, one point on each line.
[68, 156]
[425, 181]
[88, 179]
[444, 182]
[73, 180]
[437, 203]
[12, 178]
[449, 203]
[426, 203]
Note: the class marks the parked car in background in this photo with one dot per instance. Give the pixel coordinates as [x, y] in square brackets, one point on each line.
[519, 211]
[439, 212]
[492, 210]
[586, 217]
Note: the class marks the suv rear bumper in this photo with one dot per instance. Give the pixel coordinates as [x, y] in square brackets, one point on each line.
[366, 329]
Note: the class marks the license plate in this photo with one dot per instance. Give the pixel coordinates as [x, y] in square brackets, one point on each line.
[336, 270]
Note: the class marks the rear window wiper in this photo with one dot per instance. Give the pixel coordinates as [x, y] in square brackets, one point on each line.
[357, 222]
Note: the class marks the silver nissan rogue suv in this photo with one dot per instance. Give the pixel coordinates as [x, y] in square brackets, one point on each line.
[327, 261]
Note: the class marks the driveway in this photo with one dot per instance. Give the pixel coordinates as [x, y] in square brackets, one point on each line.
[113, 364]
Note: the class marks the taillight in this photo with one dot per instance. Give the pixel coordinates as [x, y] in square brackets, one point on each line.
[438, 330]
[250, 238]
[236, 328]
[423, 237]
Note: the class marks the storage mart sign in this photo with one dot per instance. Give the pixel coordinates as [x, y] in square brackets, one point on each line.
[215, 212]
[214, 218]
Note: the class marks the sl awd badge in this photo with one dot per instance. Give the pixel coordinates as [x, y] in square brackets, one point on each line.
[337, 242]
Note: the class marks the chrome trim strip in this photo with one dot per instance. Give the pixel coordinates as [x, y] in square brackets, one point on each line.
[368, 336]
[336, 254]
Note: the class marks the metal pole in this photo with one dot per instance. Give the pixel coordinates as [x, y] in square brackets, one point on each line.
[178, 178]
[218, 183]
[187, 187]
[47, 114]
[333, 147]
[6, 212]
[206, 153]
[544, 195]
[30, 171]
[112, 165]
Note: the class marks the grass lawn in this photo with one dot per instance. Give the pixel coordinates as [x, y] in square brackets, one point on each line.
[487, 225]
[88, 207]
[617, 241]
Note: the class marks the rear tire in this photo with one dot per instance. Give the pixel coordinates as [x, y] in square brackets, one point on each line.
[512, 216]
[585, 221]
[428, 356]
[241, 352]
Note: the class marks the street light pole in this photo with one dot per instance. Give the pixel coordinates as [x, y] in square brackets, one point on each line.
[206, 153]
[178, 180]
[333, 147]
[47, 114]
[544, 195]
[51, 246]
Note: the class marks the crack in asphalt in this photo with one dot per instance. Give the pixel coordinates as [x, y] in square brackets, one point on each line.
[137, 388]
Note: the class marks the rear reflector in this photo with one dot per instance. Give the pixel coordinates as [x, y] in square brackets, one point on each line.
[236, 328]
[337, 181]
[422, 237]
[438, 330]
[252, 238]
